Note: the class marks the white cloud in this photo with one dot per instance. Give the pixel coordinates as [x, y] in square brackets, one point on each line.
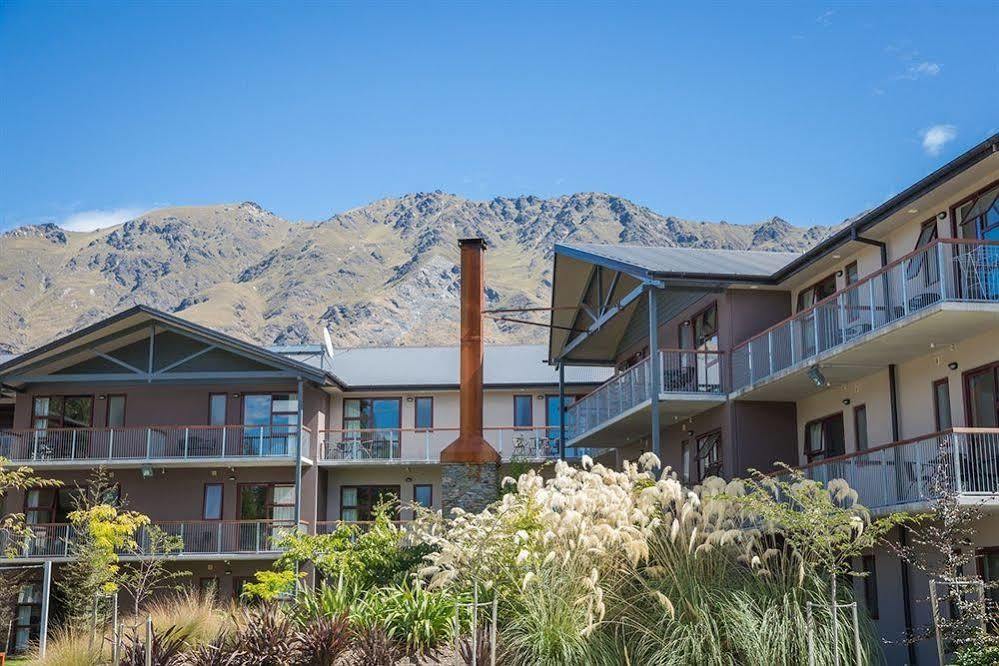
[922, 70]
[91, 220]
[936, 137]
[825, 18]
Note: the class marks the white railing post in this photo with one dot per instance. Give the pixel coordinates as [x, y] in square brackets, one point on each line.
[260, 441]
[770, 351]
[426, 439]
[939, 248]
[259, 527]
[903, 278]
[34, 446]
[187, 437]
[790, 338]
[218, 539]
[72, 448]
[149, 442]
[870, 299]
[815, 328]
[111, 445]
[919, 469]
[224, 431]
[955, 445]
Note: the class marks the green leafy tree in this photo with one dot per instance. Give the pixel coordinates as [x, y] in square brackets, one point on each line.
[101, 528]
[271, 585]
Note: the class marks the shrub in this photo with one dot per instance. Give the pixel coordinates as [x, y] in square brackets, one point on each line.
[373, 646]
[323, 640]
[196, 615]
[422, 620]
[986, 653]
[167, 648]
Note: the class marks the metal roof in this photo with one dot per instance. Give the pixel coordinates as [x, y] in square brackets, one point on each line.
[682, 261]
[424, 367]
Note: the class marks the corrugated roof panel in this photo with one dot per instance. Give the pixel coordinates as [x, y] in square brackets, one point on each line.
[695, 261]
[504, 365]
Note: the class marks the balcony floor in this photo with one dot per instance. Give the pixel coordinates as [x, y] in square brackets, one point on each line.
[942, 324]
[136, 463]
[632, 425]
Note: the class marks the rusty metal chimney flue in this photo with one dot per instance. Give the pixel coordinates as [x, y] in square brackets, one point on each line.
[471, 446]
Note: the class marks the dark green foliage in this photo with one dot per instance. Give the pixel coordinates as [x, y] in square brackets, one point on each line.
[322, 641]
[374, 647]
[168, 648]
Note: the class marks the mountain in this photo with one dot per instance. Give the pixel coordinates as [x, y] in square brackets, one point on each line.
[381, 274]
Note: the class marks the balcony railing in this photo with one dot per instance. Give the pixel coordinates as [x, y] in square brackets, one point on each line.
[964, 461]
[945, 270]
[408, 445]
[683, 371]
[149, 443]
[199, 537]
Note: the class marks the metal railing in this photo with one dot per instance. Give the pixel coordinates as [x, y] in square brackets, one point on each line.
[199, 537]
[409, 445]
[952, 270]
[682, 371]
[149, 443]
[964, 461]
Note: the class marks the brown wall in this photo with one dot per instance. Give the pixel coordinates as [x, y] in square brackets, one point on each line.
[171, 494]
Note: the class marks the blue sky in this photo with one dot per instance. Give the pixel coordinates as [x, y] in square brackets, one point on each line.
[808, 111]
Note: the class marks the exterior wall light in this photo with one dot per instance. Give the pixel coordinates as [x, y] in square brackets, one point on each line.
[846, 401]
[952, 365]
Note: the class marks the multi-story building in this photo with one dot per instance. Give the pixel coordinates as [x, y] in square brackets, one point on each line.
[866, 358]
[230, 445]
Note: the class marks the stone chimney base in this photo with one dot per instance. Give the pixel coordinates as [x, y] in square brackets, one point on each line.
[469, 486]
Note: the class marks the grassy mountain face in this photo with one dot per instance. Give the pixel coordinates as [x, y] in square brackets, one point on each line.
[385, 273]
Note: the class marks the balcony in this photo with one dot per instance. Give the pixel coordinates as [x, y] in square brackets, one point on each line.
[406, 446]
[910, 475]
[234, 539]
[943, 293]
[175, 445]
[618, 412]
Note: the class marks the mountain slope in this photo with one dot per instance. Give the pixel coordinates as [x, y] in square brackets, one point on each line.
[384, 273]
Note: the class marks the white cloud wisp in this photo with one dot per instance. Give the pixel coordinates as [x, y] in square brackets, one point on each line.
[936, 137]
[92, 220]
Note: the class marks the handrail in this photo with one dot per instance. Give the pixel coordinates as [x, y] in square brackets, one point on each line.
[867, 278]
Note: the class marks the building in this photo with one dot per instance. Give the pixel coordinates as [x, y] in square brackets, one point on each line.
[230, 445]
[862, 358]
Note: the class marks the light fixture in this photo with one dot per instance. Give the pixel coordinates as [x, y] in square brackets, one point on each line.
[836, 256]
[147, 471]
[541, 397]
[942, 215]
[952, 365]
[817, 377]
[846, 401]
[232, 473]
[409, 399]
[409, 479]
[100, 397]
[913, 211]
[690, 433]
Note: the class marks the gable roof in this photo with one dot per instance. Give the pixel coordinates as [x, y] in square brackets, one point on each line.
[140, 315]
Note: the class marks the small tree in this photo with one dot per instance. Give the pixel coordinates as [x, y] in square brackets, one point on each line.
[943, 548]
[825, 525]
[150, 571]
[101, 528]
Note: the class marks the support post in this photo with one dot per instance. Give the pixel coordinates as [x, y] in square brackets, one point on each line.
[561, 411]
[654, 371]
[298, 459]
[43, 637]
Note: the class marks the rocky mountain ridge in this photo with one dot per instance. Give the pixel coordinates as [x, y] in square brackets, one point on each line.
[380, 274]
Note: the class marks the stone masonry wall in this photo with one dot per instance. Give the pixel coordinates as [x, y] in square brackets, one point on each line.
[469, 486]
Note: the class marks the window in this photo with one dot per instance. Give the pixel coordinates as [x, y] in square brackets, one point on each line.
[941, 404]
[923, 263]
[63, 411]
[860, 427]
[852, 275]
[27, 615]
[871, 585]
[116, 411]
[988, 570]
[48, 505]
[979, 218]
[824, 438]
[811, 295]
[709, 455]
[698, 372]
[523, 411]
[217, 407]
[685, 460]
[373, 424]
[267, 501]
[211, 508]
[357, 503]
[423, 417]
[271, 423]
[423, 494]
[981, 396]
